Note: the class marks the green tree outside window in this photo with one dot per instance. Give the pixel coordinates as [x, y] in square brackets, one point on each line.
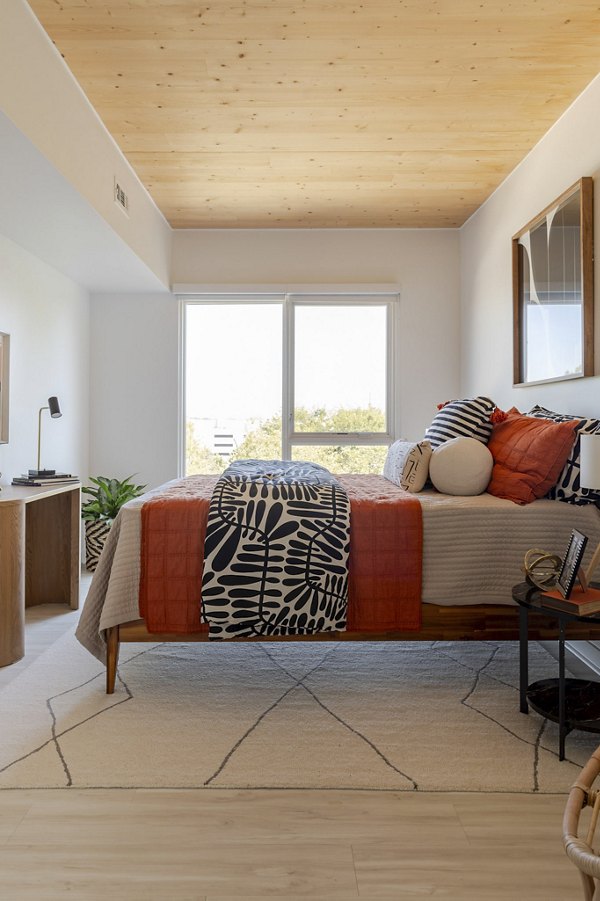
[263, 442]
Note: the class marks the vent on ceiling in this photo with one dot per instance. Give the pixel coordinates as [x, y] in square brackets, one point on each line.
[121, 198]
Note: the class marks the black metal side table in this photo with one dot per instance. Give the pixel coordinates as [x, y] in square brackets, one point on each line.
[572, 703]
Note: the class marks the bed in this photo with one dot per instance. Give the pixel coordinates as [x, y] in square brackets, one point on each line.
[472, 552]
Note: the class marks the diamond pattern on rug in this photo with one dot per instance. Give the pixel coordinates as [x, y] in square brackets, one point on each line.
[399, 716]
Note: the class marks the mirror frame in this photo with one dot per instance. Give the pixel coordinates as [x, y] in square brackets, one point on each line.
[4, 385]
[585, 188]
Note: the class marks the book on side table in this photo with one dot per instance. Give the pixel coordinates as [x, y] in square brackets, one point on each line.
[580, 602]
[59, 478]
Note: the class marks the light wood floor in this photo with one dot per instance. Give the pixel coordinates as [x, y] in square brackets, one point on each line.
[220, 845]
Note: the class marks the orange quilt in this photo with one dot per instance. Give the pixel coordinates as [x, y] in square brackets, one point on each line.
[385, 562]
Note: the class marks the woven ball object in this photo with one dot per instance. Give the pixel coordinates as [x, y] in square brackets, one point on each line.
[541, 568]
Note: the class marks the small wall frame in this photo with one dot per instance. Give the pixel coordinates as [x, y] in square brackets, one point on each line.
[4, 385]
[553, 291]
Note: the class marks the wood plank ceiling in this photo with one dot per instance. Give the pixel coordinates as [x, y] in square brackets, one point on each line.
[325, 113]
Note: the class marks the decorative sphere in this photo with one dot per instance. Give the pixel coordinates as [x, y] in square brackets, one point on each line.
[541, 568]
[461, 466]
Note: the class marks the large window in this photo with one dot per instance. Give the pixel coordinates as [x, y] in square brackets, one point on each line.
[294, 377]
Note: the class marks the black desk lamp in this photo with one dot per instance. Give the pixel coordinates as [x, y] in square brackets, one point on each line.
[54, 408]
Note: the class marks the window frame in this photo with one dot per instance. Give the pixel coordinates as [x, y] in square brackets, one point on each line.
[292, 438]
[289, 302]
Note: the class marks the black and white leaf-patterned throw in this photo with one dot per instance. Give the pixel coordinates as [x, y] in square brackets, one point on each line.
[276, 551]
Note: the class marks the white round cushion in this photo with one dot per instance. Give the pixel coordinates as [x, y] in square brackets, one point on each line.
[461, 466]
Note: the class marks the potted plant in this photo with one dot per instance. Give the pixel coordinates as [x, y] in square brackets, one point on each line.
[107, 496]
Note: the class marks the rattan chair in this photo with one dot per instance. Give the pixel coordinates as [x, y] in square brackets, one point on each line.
[580, 851]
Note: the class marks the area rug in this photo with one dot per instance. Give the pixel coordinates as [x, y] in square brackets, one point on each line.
[406, 716]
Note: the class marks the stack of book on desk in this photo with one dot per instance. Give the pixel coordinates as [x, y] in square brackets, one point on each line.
[579, 602]
[58, 478]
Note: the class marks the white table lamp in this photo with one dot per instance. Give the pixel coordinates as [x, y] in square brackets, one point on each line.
[590, 478]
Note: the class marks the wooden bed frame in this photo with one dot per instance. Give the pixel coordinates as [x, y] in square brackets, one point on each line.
[476, 622]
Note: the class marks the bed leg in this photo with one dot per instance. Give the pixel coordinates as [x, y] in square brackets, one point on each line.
[112, 658]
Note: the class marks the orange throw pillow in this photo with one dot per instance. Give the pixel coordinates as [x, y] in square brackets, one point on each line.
[529, 456]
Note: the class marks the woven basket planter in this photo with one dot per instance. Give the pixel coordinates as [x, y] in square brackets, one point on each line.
[95, 536]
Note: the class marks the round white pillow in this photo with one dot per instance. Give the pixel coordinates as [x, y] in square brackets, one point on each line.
[461, 466]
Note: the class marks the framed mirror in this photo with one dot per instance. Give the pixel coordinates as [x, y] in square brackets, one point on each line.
[4, 380]
[553, 291]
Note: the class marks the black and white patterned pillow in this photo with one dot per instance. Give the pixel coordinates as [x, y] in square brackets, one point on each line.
[469, 418]
[568, 488]
[407, 464]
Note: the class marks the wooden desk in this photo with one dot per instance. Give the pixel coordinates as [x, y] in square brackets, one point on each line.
[39, 556]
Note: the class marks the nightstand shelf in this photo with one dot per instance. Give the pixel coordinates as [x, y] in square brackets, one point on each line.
[582, 702]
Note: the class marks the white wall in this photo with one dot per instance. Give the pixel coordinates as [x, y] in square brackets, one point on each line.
[41, 211]
[134, 387]
[570, 150]
[41, 97]
[47, 317]
[134, 350]
[424, 264]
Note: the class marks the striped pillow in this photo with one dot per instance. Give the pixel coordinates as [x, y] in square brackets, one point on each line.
[468, 418]
[567, 487]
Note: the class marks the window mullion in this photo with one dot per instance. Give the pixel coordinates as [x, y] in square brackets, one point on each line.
[392, 371]
[287, 400]
[324, 439]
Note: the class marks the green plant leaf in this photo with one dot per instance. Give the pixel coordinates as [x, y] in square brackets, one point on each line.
[107, 498]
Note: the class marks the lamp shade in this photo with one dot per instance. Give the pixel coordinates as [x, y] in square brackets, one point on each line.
[590, 461]
[54, 407]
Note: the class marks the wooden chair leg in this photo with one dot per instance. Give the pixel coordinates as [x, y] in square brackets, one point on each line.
[112, 658]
